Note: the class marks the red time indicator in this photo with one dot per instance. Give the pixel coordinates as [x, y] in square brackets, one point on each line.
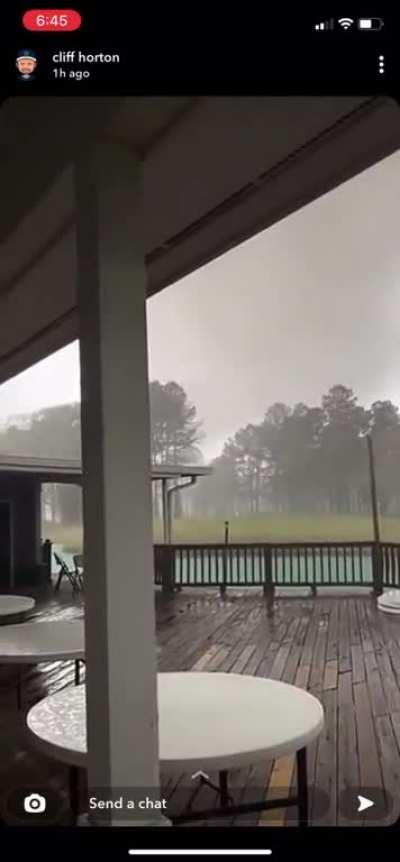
[48, 20]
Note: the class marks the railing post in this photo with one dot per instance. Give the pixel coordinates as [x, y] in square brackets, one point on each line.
[168, 569]
[377, 569]
[222, 588]
[269, 587]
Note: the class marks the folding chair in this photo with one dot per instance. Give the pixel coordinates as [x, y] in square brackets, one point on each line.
[79, 572]
[66, 572]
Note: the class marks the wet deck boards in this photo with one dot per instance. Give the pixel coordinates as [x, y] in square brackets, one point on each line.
[340, 648]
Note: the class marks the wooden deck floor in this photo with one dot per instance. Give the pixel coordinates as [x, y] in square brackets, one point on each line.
[340, 648]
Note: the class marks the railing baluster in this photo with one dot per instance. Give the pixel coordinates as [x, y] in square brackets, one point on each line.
[329, 566]
[386, 563]
[392, 565]
[344, 553]
[277, 575]
[383, 560]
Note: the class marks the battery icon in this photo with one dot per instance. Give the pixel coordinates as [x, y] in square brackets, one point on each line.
[370, 23]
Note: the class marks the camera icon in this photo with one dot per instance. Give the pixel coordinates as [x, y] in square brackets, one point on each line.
[34, 804]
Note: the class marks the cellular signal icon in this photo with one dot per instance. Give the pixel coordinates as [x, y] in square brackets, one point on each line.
[325, 25]
[345, 23]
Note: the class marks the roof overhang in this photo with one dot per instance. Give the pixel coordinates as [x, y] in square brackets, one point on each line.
[70, 470]
[216, 171]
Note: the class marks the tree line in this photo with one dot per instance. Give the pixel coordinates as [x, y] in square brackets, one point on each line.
[309, 459]
[55, 432]
[297, 459]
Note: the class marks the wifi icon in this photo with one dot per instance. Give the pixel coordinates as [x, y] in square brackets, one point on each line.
[345, 22]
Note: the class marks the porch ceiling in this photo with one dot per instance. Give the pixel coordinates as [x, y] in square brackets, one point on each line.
[217, 170]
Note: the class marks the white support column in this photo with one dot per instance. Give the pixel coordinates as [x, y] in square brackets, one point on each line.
[120, 625]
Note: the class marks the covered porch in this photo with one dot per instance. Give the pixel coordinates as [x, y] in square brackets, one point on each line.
[23, 560]
[127, 196]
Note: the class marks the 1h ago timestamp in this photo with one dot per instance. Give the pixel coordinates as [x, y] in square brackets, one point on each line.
[79, 57]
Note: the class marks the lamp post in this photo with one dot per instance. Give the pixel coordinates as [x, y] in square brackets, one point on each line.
[377, 550]
[372, 485]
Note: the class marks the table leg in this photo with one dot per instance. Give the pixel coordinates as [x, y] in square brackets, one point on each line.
[223, 788]
[302, 788]
[77, 672]
[74, 791]
[19, 689]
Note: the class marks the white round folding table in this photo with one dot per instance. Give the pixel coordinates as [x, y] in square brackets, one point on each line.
[389, 602]
[207, 721]
[14, 607]
[32, 643]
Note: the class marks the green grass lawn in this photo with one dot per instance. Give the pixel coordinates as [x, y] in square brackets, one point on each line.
[262, 528]
[284, 528]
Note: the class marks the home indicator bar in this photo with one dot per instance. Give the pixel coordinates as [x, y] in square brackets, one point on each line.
[197, 852]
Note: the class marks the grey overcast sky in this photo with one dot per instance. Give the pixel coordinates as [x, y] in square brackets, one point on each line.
[312, 301]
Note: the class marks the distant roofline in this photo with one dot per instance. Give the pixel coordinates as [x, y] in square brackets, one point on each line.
[69, 468]
[167, 471]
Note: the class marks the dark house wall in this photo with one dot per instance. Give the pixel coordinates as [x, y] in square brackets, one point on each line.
[23, 491]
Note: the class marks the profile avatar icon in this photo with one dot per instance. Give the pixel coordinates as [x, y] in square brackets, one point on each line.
[26, 63]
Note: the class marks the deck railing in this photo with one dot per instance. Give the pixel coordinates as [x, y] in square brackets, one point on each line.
[390, 564]
[270, 565]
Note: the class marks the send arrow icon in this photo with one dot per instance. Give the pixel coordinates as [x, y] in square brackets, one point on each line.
[364, 803]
